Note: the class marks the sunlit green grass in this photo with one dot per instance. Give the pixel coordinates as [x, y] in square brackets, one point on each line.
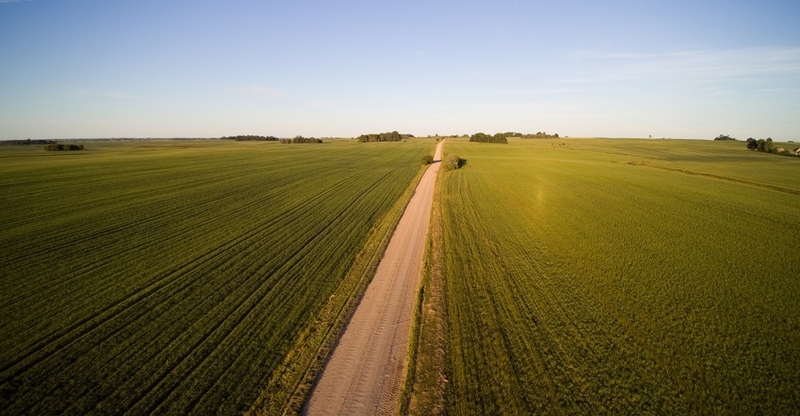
[177, 276]
[621, 276]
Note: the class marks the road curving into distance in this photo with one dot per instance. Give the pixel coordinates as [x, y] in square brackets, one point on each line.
[365, 371]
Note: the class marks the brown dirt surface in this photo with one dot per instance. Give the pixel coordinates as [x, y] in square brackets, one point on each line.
[365, 371]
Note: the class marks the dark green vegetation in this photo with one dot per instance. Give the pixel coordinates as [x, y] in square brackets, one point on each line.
[393, 136]
[724, 137]
[537, 135]
[452, 161]
[251, 138]
[301, 139]
[27, 142]
[62, 147]
[768, 146]
[762, 145]
[621, 277]
[503, 137]
[486, 138]
[184, 276]
[427, 159]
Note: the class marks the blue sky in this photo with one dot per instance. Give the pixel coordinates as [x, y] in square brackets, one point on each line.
[109, 68]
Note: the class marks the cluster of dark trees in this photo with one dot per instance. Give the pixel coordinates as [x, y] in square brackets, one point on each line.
[766, 145]
[724, 137]
[301, 139]
[27, 142]
[250, 138]
[762, 145]
[485, 138]
[393, 136]
[57, 147]
[427, 159]
[502, 137]
[540, 135]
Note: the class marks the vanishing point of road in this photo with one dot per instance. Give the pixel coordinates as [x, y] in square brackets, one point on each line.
[365, 371]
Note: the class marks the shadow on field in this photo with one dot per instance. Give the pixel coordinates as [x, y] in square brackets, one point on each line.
[461, 162]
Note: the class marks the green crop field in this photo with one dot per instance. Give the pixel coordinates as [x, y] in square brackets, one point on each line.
[184, 276]
[621, 277]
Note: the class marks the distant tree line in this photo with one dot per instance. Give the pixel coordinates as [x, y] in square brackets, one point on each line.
[301, 139]
[485, 138]
[250, 138]
[57, 147]
[27, 142]
[502, 137]
[393, 136]
[724, 137]
[537, 135]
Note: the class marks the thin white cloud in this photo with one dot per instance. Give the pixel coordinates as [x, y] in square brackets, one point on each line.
[120, 95]
[29, 121]
[318, 104]
[596, 55]
[783, 90]
[257, 91]
[15, 1]
[105, 94]
[696, 64]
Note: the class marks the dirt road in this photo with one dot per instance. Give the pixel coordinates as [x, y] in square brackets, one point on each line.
[365, 371]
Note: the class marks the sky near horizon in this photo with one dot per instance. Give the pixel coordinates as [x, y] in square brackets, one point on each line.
[110, 68]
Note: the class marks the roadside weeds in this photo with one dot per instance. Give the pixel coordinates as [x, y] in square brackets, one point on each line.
[424, 388]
